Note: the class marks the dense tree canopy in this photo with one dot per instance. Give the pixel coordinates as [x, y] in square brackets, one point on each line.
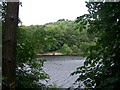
[102, 66]
[62, 36]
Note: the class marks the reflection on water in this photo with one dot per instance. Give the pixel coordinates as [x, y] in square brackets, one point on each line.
[59, 69]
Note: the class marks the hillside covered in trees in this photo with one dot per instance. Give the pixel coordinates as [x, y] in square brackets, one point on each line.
[62, 36]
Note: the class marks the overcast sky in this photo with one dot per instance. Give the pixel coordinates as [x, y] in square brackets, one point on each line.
[39, 12]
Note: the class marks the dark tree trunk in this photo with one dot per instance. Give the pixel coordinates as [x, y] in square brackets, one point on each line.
[9, 45]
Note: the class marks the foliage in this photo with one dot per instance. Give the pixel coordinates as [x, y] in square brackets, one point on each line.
[38, 36]
[63, 36]
[29, 69]
[66, 50]
[102, 66]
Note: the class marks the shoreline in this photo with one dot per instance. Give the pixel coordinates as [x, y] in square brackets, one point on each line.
[56, 55]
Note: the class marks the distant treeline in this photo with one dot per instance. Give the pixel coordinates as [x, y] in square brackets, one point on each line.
[62, 36]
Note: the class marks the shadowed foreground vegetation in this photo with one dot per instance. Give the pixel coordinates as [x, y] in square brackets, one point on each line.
[95, 35]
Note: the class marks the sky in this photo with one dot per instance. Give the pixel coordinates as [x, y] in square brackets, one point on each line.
[40, 12]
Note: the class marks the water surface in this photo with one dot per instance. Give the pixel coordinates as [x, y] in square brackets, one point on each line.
[59, 69]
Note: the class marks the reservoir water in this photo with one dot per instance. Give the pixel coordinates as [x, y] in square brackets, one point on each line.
[59, 69]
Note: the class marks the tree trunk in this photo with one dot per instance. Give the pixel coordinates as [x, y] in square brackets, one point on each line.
[9, 45]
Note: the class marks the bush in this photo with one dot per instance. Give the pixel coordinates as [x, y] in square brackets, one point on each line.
[29, 69]
[66, 50]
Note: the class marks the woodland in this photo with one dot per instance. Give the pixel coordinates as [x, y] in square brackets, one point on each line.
[95, 36]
